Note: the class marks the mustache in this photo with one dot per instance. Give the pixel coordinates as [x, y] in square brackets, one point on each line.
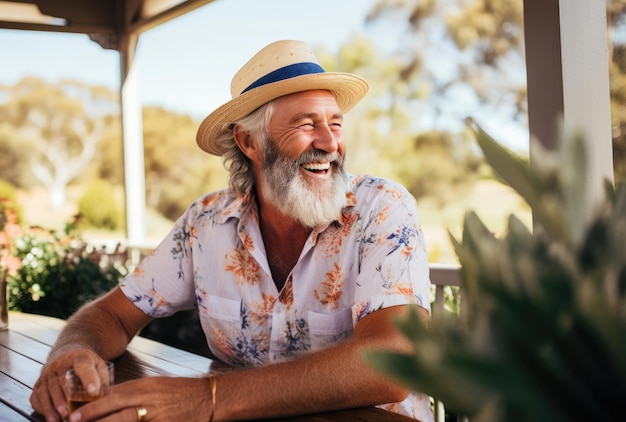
[319, 156]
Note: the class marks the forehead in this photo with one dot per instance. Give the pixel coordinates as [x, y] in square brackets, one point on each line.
[307, 101]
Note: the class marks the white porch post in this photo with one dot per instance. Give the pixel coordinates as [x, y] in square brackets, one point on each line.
[568, 78]
[586, 94]
[132, 134]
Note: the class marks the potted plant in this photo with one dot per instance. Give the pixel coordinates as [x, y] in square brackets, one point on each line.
[542, 334]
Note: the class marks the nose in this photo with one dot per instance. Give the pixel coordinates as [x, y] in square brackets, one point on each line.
[325, 139]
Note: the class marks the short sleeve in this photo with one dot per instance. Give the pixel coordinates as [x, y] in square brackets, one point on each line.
[392, 254]
[162, 283]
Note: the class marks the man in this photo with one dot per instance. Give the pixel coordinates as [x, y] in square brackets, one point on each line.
[296, 269]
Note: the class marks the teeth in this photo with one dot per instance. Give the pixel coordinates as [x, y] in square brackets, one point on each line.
[316, 166]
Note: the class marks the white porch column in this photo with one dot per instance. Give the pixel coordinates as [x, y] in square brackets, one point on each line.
[586, 93]
[568, 78]
[132, 134]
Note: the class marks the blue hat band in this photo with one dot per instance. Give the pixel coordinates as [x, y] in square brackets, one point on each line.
[287, 72]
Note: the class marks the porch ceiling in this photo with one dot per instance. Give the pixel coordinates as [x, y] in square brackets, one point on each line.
[105, 21]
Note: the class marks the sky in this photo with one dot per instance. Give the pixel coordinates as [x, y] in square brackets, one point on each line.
[186, 64]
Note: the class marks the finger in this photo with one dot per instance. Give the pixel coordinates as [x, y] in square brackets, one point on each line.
[41, 402]
[128, 414]
[91, 412]
[106, 373]
[57, 395]
[86, 368]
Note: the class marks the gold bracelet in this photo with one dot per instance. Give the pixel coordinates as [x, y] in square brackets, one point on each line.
[213, 383]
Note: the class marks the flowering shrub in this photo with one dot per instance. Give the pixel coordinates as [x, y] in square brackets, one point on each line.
[59, 273]
[9, 230]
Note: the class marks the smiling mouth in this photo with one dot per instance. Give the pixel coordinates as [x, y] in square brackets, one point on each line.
[319, 168]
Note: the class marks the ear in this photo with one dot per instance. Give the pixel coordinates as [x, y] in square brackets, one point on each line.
[246, 143]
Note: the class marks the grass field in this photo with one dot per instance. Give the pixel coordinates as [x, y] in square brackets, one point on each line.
[492, 201]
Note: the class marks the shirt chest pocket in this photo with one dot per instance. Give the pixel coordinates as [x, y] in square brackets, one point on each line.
[221, 309]
[235, 335]
[326, 330]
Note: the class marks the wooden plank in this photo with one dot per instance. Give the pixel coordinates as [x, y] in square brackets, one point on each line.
[17, 396]
[29, 327]
[14, 340]
[152, 347]
[8, 414]
[46, 330]
[20, 367]
[56, 324]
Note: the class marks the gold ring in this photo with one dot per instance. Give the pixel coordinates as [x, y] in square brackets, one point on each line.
[142, 412]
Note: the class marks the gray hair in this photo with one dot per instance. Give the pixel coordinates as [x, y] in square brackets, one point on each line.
[257, 123]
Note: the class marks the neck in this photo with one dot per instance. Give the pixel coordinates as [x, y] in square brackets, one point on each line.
[281, 228]
[284, 238]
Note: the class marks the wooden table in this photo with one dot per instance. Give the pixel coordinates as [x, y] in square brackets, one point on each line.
[25, 346]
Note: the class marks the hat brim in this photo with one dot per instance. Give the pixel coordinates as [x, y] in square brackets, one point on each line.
[348, 89]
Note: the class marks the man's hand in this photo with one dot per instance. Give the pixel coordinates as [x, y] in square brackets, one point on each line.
[49, 396]
[98, 331]
[163, 398]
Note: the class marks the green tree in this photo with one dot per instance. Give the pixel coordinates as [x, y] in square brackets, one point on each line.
[475, 49]
[385, 135]
[177, 171]
[98, 206]
[459, 56]
[108, 164]
[14, 157]
[616, 18]
[64, 122]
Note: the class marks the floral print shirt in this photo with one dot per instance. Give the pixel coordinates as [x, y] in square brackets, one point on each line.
[372, 257]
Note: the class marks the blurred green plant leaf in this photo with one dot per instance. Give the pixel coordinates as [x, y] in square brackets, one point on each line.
[542, 335]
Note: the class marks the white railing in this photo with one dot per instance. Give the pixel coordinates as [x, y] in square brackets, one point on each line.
[442, 275]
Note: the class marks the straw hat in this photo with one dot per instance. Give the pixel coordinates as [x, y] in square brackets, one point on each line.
[281, 68]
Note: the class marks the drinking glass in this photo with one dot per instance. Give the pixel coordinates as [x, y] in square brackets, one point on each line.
[78, 395]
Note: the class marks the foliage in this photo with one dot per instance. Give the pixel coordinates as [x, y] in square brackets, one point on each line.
[9, 229]
[443, 164]
[450, 50]
[451, 299]
[14, 152]
[8, 195]
[98, 207]
[59, 273]
[616, 22]
[177, 172]
[456, 55]
[544, 335]
[51, 130]
[385, 138]
[63, 123]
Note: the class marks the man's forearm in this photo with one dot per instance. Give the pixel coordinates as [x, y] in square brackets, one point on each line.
[90, 329]
[98, 326]
[329, 380]
[335, 378]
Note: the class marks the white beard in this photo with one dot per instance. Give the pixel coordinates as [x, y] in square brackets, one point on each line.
[289, 192]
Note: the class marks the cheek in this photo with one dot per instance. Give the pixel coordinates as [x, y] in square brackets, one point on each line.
[341, 147]
[295, 146]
